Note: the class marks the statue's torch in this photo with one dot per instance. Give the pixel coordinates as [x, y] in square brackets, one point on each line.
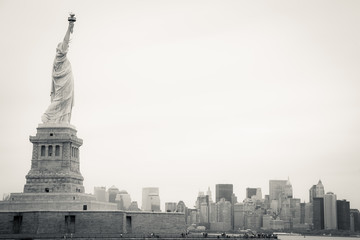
[72, 19]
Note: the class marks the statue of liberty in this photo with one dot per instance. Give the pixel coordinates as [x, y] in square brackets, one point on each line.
[62, 86]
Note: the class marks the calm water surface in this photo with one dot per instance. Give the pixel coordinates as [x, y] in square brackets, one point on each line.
[315, 238]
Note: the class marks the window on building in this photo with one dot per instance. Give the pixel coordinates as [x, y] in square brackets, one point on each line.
[17, 224]
[128, 224]
[57, 150]
[50, 149]
[42, 151]
[70, 223]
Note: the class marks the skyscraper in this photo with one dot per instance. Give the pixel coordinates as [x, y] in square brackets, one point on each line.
[330, 214]
[113, 191]
[279, 189]
[123, 200]
[320, 191]
[318, 213]
[250, 192]
[150, 199]
[202, 206]
[288, 189]
[209, 194]
[254, 192]
[223, 209]
[355, 220]
[343, 214]
[316, 191]
[309, 214]
[224, 191]
[101, 194]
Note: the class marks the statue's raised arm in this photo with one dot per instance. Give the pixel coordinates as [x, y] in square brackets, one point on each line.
[65, 43]
[62, 85]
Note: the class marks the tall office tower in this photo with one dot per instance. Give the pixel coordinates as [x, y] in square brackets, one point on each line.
[239, 216]
[312, 193]
[204, 213]
[302, 213]
[250, 192]
[212, 212]
[308, 214]
[258, 194]
[285, 212]
[288, 189]
[354, 220]
[123, 200]
[209, 194]
[202, 198]
[113, 191]
[254, 192]
[150, 199]
[170, 206]
[202, 206]
[223, 209]
[191, 216]
[295, 211]
[101, 194]
[224, 191]
[343, 214]
[330, 216]
[316, 191]
[320, 191]
[318, 213]
[278, 189]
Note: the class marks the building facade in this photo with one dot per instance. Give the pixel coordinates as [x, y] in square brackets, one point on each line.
[343, 214]
[316, 191]
[330, 212]
[150, 199]
[318, 213]
[224, 191]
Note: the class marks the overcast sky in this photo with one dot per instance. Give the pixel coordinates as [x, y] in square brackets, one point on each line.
[183, 95]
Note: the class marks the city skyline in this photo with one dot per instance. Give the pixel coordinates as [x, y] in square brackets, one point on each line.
[214, 195]
[278, 210]
[185, 95]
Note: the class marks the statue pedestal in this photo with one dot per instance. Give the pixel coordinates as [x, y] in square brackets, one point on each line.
[55, 163]
[54, 181]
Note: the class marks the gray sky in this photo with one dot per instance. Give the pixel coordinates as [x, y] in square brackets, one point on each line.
[183, 95]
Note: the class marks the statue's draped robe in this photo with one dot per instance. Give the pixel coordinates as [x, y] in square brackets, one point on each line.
[62, 89]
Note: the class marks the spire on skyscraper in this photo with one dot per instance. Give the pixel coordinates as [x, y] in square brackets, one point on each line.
[209, 194]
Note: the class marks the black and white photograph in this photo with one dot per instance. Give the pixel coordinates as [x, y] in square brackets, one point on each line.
[177, 119]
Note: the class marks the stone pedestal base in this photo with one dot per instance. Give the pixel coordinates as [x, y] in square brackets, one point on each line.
[54, 181]
[55, 164]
